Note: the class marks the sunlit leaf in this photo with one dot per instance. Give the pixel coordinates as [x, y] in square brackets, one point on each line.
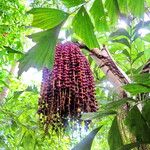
[86, 143]
[97, 11]
[114, 137]
[42, 54]
[100, 114]
[10, 50]
[123, 41]
[135, 88]
[4, 83]
[137, 125]
[139, 55]
[123, 5]
[83, 28]
[113, 11]
[143, 78]
[147, 2]
[32, 89]
[125, 52]
[28, 141]
[118, 103]
[146, 37]
[47, 18]
[147, 53]
[146, 112]
[120, 32]
[136, 7]
[72, 3]
[17, 94]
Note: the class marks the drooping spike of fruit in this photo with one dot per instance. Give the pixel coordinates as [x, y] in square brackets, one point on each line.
[68, 89]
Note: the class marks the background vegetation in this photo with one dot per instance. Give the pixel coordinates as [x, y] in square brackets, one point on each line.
[123, 26]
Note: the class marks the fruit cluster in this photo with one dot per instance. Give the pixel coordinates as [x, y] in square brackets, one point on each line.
[68, 89]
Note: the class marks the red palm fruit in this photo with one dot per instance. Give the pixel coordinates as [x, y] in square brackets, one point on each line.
[67, 90]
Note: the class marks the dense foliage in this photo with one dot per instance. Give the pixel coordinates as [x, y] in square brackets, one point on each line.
[122, 26]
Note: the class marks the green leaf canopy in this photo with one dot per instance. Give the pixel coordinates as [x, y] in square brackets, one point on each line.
[136, 7]
[72, 3]
[83, 28]
[113, 10]
[135, 88]
[114, 138]
[42, 54]
[47, 18]
[97, 11]
[137, 125]
[146, 112]
[86, 143]
[120, 32]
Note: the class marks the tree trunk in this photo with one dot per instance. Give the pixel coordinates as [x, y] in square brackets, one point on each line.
[118, 78]
[114, 74]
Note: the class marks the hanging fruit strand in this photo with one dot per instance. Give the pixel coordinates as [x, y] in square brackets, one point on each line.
[68, 90]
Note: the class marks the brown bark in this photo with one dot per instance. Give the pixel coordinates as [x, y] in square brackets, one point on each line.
[105, 61]
[118, 78]
[115, 75]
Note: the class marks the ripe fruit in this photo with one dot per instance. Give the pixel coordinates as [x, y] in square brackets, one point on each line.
[67, 90]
